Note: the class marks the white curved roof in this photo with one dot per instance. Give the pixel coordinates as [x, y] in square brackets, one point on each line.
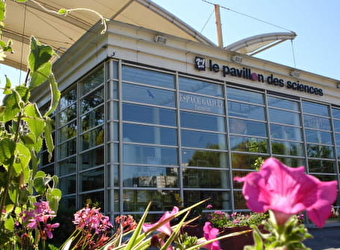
[255, 44]
[26, 19]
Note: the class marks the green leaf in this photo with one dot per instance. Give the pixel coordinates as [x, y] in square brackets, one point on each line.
[55, 95]
[34, 120]
[7, 150]
[63, 12]
[40, 75]
[9, 208]
[13, 192]
[39, 183]
[22, 158]
[11, 102]
[9, 224]
[8, 86]
[2, 10]
[48, 137]
[39, 55]
[54, 196]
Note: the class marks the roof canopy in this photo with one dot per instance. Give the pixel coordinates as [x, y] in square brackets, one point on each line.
[26, 19]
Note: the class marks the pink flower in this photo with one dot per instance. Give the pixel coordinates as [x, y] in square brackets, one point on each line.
[209, 206]
[288, 191]
[210, 233]
[165, 228]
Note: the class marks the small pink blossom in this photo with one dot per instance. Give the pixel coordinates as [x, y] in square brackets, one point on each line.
[210, 233]
[287, 191]
[209, 206]
[165, 228]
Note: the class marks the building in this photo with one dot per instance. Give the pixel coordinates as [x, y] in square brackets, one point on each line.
[147, 115]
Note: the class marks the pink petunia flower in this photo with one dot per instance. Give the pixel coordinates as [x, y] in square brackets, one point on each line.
[210, 233]
[165, 228]
[287, 191]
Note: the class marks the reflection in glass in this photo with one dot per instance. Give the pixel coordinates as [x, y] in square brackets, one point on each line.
[200, 87]
[336, 113]
[68, 148]
[248, 144]
[201, 178]
[285, 132]
[204, 158]
[92, 81]
[92, 138]
[93, 118]
[318, 136]
[201, 103]
[318, 166]
[285, 117]
[317, 122]
[149, 77]
[140, 154]
[244, 161]
[239, 201]
[336, 125]
[315, 108]
[244, 95]
[148, 95]
[67, 114]
[218, 199]
[91, 180]
[162, 200]
[144, 176]
[245, 127]
[318, 151]
[67, 166]
[327, 177]
[244, 110]
[68, 131]
[68, 97]
[287, 148]
[202, 121]
[95, 197]
[203, 139]
[92, 158]
[149, 134]
[145, 114]
[68, 184]
[283, 103]
[291, 162]
[92, 100]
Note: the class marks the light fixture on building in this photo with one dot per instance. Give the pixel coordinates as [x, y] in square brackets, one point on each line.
[160, 39]
[237, 59]
[294, 73]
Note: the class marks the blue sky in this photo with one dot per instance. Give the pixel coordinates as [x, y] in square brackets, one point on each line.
[316, 23]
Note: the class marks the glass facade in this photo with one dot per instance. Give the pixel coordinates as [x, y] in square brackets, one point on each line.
[126, 135]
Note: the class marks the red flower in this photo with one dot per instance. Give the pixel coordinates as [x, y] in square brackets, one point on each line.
[288, 191]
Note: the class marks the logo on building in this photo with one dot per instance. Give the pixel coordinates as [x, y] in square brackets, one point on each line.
[200, 63]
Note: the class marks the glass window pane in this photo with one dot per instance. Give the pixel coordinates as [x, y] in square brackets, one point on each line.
[148, 95]
[317, 122]
[91, 180]
[68, 184]
[92, 158]
[337, 139]
[68, 97]
[336, 125]
[286, 117]
[95, 197]
[317, 166]
[285, 132]
[143, 176]
[201, 103]
[246, 110]
[149, 134]
[92, 138]
[202, 121]
[283, 103]
[218, 199]
[319, 151]
[245, 127]
[68, 131]
[149, 77]
[92, 100]
[203, 140]
[200, 87]
[291, 162]
[244, 95]
[287, 148]
[92, 81]
[93, 118]
[68, 148]
[204, 158]
[248, 144]
[336, 113]
[149, 155]
[315, 108]
[67, 166]
[318, 137]
[202, 178]
[67, 114]
[152, 115]
[244, 161]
